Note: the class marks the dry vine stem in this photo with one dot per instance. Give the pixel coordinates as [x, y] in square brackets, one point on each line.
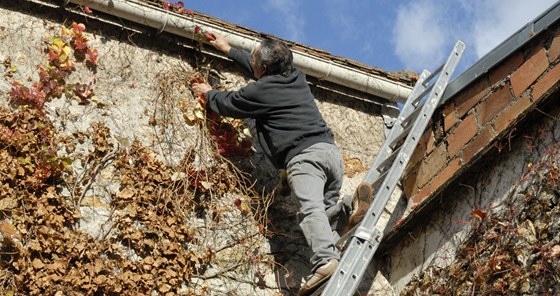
[169, 222]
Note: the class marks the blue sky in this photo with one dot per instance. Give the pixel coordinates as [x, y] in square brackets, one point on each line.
[391, 35]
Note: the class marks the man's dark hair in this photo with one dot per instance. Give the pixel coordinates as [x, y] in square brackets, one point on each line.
[276, 56]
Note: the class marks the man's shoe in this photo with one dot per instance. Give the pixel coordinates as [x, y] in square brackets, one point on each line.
[360, 204]
[321, 275]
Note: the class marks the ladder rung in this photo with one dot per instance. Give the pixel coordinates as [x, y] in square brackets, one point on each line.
[412, 115]
[436, 72]
[377, 182]
[400, 137]
[389, 160]
[418, 100]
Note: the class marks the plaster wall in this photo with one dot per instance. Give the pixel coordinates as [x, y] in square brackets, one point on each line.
[136, 67]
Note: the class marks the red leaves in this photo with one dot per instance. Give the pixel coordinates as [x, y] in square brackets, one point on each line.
[22, 94]
[92, 56]
[230, 135]
[87, 10]
[52, 78]
[78, 29]
[478, 213]
[80, 43]
[177, 7]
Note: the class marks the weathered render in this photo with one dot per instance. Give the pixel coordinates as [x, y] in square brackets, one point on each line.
[134, 98]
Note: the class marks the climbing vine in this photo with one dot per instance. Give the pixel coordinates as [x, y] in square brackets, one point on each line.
[514, 251]
[159, 233]
[52, 78]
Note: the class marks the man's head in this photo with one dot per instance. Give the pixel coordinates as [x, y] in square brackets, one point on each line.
[272, 57]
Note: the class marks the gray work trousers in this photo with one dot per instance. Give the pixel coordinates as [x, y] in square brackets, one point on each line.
[315, 178]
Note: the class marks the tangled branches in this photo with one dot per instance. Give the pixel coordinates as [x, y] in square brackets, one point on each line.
[511, 252]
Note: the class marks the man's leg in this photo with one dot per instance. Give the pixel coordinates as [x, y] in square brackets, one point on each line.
[334, 207]
[308, 176]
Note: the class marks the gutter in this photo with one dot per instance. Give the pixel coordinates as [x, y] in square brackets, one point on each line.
[322, 69]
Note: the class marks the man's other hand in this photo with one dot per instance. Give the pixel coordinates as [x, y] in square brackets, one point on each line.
[200, 88]
[218, 41]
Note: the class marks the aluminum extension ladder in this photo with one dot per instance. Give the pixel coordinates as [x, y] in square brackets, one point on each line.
[385, 173]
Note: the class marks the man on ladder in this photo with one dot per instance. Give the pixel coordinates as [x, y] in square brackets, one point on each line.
[295, 138]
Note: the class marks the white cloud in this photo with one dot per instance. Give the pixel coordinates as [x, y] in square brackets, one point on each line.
[290, 17]
[496, 20]
[419, 35]
[425, 30]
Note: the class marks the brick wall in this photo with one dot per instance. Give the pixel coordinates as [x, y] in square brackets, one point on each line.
[482, 116]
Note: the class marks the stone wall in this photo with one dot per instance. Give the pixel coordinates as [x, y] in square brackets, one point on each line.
[139, 80]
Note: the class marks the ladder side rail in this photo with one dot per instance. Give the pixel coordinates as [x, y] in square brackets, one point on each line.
[364, 243]
[397, 129]
[374, 176]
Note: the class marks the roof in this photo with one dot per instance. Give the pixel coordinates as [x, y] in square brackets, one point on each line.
[503, 50]
[405, 77]
[479, 108]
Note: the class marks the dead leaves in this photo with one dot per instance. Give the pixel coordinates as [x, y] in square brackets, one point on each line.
[152, 246]
[352, 166]
[514, 251]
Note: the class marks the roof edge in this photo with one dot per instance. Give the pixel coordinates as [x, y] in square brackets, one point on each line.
[503, 50]
[323, 69]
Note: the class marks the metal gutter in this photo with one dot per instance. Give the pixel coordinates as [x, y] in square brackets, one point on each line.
[173, 23]
[503, 50]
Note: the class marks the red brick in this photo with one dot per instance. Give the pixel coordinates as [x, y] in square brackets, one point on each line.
[527, 73]
[494, 104]
[421, 196]
[432, 165]
[450, 117]
[512, 113]
[469, 97]
[446, 174]
[554, 49]
[461, 135]
[480, 141]
[546, 83]
[409, 183]
[505, 68]
[419, 153]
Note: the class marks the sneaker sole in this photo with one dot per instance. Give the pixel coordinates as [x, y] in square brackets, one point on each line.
[311, 289]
